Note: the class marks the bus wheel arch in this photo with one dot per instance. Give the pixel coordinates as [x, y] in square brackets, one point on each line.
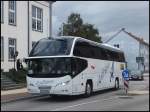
[88, 88]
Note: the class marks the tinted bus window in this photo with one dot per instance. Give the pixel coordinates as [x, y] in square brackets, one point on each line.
[89, 50]
[108, 53]
[121, 57]
[49, 67]
[78, 65]
[82, 49]
[115, 56]
[103, 54]
[52, 47]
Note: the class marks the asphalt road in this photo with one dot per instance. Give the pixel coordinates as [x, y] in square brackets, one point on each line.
[108, 100]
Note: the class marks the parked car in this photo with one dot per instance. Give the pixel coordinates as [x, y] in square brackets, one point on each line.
[136, 75]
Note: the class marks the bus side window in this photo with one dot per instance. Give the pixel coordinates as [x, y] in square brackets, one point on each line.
[103, 54]
[78, 65]
[76, 51]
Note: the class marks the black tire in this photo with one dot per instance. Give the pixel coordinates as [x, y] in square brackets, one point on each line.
[142, 78]
[116, 84]
[88, 90]
[54, 96]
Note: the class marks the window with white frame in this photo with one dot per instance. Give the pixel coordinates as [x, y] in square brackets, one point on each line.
[12, 12]
[2, 48]
[11, 48]
[37, 18]
[2, 11]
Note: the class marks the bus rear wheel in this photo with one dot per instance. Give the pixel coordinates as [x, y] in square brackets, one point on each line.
[116, 84]
[88, 89]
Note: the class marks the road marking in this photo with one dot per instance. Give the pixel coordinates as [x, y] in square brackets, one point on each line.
[67, 107]
[138, 92]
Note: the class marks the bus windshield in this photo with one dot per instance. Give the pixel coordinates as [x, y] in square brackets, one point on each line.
[52, 47]
[55, 67]
[50, 67]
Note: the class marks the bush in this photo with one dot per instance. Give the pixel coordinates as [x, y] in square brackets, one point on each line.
[17, 76]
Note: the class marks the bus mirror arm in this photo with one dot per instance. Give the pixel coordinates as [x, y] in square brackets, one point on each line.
[25, 60]
[73, 73]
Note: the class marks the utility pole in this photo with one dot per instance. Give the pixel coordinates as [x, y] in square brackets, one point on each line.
[28, 28]
[62, 29]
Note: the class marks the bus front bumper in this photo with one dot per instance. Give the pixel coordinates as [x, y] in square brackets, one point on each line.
[58, 90]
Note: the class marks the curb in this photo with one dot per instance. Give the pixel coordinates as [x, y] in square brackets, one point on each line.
[146, 75]
[22, 98]
[138, 92]
[13, 91]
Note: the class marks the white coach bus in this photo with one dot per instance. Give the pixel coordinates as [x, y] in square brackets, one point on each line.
[70, 65]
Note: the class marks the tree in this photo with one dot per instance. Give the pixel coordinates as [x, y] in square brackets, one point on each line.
[75, 27]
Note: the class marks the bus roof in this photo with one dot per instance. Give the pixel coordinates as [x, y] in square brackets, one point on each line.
[107, 46]
[112, 47]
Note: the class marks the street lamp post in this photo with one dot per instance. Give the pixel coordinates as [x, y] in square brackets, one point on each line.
[62, 29]
[15, 56]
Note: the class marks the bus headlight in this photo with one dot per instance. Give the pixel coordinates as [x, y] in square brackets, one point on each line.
[31, 84]
[63, 83]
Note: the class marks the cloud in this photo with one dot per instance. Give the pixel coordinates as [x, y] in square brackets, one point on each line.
[107, 16]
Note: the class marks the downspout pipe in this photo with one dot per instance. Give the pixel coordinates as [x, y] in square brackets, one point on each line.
[50, 18]
[28, 30]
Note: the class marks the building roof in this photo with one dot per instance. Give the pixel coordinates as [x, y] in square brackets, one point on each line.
[51, 1]
[131, 35]
[137, 38]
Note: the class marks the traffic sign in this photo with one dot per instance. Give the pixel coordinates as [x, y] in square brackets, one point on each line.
[125, 74]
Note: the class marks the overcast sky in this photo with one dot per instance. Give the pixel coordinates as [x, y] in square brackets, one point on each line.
[107, 16]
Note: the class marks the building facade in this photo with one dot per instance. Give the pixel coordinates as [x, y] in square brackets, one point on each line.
[22, 24]
[133, 48]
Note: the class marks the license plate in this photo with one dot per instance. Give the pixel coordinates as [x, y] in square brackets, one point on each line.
[44, 90]
[45, 87]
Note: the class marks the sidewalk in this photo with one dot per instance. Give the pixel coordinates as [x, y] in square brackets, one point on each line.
[15, 91]
[10, 95]
[15, 95]
[146, 74]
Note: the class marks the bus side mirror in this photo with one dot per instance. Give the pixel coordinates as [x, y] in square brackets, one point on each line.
[73, 73]
[25, 60]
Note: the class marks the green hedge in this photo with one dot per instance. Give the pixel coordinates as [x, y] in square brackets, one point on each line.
[17, 76]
